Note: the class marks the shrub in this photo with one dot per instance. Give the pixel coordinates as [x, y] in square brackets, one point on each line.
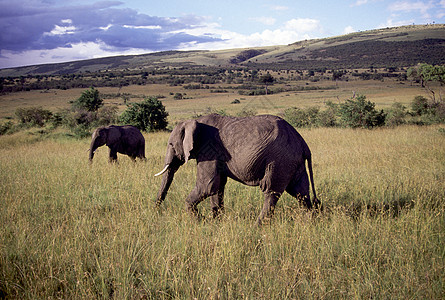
[360, 113]
[247, 112]
[313, 115]
[419, 105]
[90, 100]
[33, 115]
[6, 127]
[396, 115]
[148, 115]
[327, 118]
[106, 115]
[297, 117]
[81, 121]
[440, 111]
[178, 96]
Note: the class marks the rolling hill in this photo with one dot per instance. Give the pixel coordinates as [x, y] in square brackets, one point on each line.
[390, 47]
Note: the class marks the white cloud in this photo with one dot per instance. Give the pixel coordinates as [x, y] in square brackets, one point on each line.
[360, 2]
[105, 28]
[279, 8]
[61, 30]
[409, 6]
[143, 27]
[348, 29]
[77, 51]
[303, 25]
[392, 23]
[264, 20]
[292, 31]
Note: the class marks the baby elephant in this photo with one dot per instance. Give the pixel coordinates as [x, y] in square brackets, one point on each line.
[123, 139]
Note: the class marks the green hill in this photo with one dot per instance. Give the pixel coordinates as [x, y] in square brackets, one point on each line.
[390, 47]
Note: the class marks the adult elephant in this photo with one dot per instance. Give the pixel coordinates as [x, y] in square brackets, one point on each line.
[261, 150]
[120, 139]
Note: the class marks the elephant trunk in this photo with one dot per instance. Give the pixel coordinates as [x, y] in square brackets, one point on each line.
[93, 147]
[172, 164]
[167, 178]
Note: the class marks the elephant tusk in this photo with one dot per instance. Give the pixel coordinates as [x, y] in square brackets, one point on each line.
[163, 170]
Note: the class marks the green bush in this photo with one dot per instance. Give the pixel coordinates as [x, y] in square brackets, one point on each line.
[297, 117]
[6, 127]
[106, 115]
[419, 105]
[360, 113]
[148, 115]
[396, 115]
[33, 115]
[310, 117]
[247, 112]
[178, 96]
[439, 111]
[327, 118]
[81, 121]
[90, 100]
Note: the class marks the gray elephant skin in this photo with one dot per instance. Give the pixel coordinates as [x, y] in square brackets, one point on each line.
[263, 151]
[126, 140]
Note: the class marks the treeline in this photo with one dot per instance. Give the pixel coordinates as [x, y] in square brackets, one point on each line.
[358, 112]
[187, 76]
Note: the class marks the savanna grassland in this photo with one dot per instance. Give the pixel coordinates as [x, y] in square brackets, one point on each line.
[75, 230]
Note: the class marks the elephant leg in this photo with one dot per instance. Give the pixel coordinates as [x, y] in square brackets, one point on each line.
[299, 188]
[270, 200]
[273, 185]
[142, 152]
[208, 183]
[113, 155]
[217, 200]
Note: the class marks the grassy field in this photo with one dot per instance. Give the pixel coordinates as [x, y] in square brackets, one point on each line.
[201, 101]
[71, 230]
[74, 230]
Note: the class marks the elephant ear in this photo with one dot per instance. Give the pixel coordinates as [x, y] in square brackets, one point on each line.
[113, 135]
[188, 143]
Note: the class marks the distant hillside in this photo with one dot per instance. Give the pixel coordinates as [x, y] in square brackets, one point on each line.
[390, 47]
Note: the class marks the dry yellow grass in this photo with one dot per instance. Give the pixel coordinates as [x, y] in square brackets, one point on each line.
[74, 230]
[71, 230]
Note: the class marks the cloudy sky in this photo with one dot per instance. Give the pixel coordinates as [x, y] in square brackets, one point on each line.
[49, 31]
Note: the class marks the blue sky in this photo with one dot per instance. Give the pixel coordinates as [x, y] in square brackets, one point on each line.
[50, 31]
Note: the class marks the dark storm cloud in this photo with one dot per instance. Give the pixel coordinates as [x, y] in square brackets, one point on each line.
[39, 25]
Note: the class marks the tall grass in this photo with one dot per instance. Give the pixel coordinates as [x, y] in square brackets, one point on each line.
[74, 230]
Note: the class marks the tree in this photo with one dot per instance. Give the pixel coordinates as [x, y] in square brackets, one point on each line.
[89, 100]
[426, 74]
[148, 115]
[267, 79]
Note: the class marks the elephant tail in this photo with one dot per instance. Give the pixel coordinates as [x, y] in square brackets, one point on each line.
[308, 157]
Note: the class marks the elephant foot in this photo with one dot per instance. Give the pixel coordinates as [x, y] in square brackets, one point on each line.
[193, 211]
[318, 206]
[217, 212]
[158, 203]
